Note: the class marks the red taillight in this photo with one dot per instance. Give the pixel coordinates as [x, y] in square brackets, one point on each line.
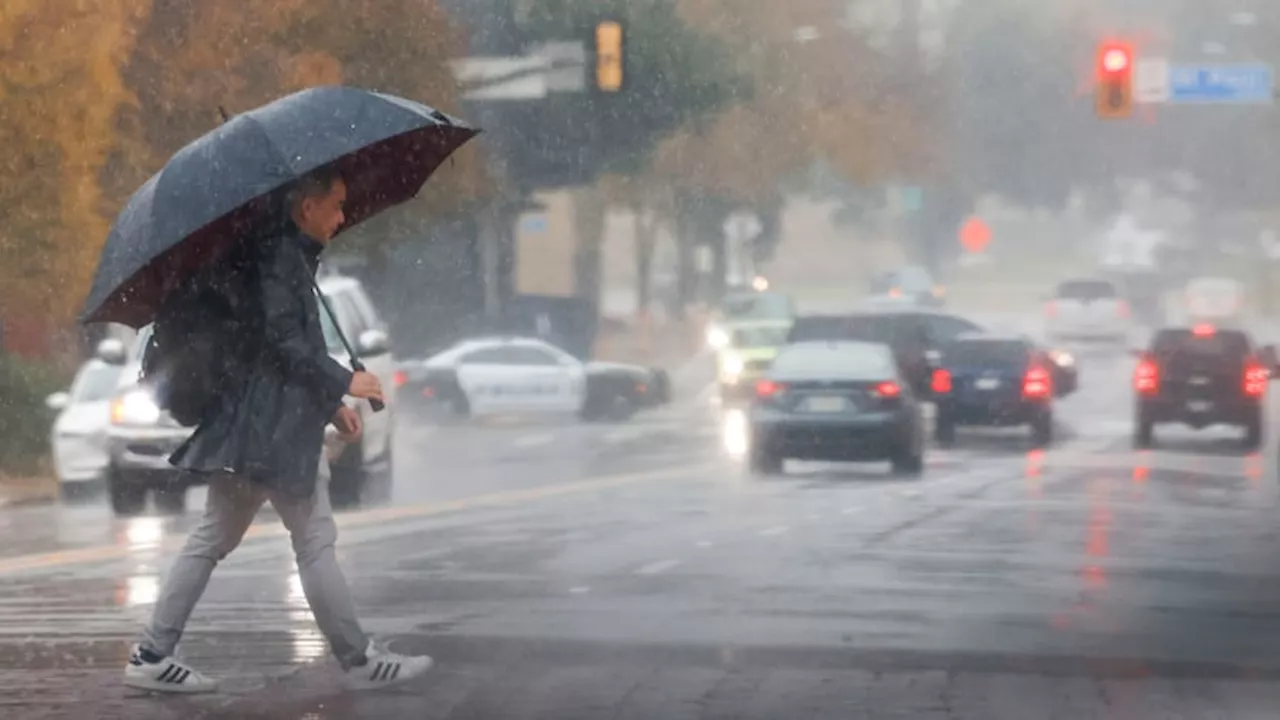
[941, 384]
[429, 391]
[769, 389]
[401, 377]
[1146, 378]
[1123, 309]
[1256, 378]
[1203, 330]
[1037, 384]
[1051, 309]
[888, 389]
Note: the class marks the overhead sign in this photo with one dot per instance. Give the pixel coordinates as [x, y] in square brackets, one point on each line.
[1151, 80]
[1248, 83]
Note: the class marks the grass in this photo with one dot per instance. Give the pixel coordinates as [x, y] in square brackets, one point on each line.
[24, 419]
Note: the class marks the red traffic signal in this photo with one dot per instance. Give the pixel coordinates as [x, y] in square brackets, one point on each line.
[1115, 60]
[1113, 97]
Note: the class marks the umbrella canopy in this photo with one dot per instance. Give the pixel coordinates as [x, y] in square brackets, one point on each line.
[218, 187]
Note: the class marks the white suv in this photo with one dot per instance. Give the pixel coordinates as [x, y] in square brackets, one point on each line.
[1087, 309]
[140, 437]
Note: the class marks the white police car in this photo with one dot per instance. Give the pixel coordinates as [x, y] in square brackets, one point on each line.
[520, 375]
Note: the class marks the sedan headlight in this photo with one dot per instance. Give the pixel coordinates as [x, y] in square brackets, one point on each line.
[135, 408]
[731, 365]
[717, 337]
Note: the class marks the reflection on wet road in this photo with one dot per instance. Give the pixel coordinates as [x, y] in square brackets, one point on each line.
[636, 570]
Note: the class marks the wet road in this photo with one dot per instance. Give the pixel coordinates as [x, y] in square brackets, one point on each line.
[636, 571]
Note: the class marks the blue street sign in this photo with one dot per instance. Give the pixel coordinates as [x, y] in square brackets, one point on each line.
[1252, 83]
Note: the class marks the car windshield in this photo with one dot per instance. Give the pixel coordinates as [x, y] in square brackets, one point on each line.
[848, 361]
[95, 382]
[759, 337]
[332, 339]
[1228, 344]
[756, 306]
[914, 279]
[868, 328]
[976, 352]
[1086, 290]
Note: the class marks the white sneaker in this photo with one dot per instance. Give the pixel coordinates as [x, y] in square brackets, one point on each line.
[385, 668]
[168, 675]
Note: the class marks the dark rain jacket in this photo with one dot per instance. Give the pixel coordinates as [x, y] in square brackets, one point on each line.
[269, 425]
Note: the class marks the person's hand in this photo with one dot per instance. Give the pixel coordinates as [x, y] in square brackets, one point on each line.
[365, 385]
[348, 423]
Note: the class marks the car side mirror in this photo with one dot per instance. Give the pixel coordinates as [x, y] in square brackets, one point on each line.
[372, 343]
[111, 351]
[58, 401]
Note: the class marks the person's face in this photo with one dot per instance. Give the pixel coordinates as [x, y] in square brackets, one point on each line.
[320, 216]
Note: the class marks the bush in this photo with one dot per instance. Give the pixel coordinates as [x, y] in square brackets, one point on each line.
[25, 421]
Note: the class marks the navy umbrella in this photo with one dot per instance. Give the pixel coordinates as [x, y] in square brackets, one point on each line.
[216, 188]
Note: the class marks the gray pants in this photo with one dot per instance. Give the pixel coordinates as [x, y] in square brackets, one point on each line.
[233, 502]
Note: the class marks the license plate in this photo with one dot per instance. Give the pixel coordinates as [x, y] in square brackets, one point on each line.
[987, 384]
[1199, 381]
[825, 404]
[1199, 405]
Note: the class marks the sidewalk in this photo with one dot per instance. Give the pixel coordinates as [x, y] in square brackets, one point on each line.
[666, 344]
[27, 490]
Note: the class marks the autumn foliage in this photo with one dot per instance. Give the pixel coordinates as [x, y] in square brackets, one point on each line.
[818, 94]
[98, 93]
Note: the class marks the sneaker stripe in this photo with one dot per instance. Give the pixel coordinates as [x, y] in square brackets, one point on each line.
[395, 670]
[164, 676]
[183, 677]
[376, 669]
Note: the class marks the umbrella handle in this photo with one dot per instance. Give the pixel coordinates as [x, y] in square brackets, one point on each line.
[377, 405]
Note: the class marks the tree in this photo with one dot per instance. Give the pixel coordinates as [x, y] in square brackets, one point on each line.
[194, 58]
[674, 76]
[60, 88]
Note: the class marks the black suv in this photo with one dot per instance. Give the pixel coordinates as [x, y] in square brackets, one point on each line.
[1202, 376]
[913, 335]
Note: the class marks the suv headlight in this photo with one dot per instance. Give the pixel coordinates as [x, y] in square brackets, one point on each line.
[137, 407]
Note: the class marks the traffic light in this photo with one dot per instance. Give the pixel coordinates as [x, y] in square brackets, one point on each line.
[609, 56]
[1113, 96]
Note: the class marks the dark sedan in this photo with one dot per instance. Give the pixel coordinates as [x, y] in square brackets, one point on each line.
[835, 401]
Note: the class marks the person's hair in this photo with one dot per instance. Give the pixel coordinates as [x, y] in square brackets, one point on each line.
[313, 184]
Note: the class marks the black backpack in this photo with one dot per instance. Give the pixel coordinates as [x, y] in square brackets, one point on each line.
[195, 346]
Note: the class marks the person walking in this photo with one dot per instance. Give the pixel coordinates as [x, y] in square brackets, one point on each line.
[263, 441]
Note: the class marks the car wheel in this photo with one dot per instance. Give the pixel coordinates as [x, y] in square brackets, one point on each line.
[77, 492]
[763, 460]
[347, 477]
[1253, 433]
[766, 463]
[1042, 429]
[127, 498]
[908, 459]
[171, 498]
[944, 429]
[1144, 432]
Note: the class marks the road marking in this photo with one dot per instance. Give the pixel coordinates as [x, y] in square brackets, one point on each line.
[776, 530]
[811, 517]
[532, 441]
[657, 567]
[704, 543]
[374, 516]
[849, 511]
[623, 435]
[580, 590]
